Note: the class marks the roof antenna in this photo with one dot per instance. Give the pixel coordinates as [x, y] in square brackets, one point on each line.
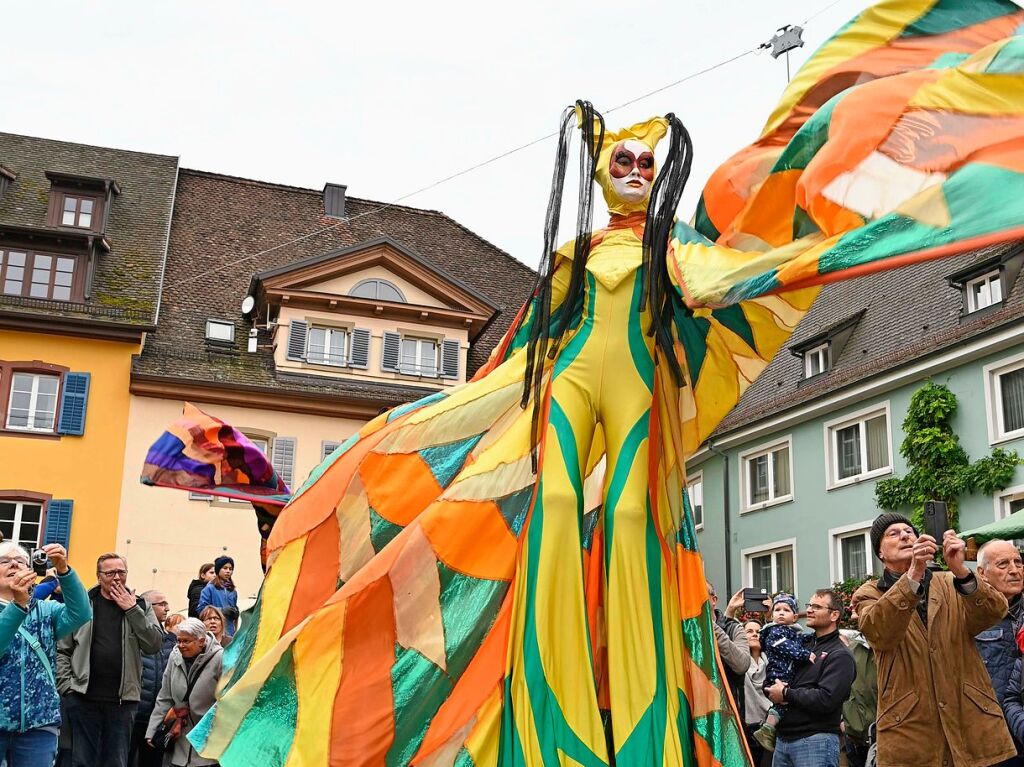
[786, 39]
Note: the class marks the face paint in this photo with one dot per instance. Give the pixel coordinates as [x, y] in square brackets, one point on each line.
[631, 168]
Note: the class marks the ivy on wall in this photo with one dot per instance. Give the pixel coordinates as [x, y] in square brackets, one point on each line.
[940, 469]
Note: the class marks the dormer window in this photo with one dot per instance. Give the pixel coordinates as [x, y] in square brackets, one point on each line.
[80, 202]
[816, 360]
[984, 291]
[819, 353]
[987, 283]
[380, 290]
[77, 211]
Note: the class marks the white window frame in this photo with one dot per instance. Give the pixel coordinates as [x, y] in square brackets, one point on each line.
[329, 331]
[767, 448]
[16, 524]
[1002, 499]
[328, 446]
[994, 398]
[990, 280]
[211, 335]
[832, 454]
[418, 370]
[32, 402]
[823, 353]
[747, 557]
[697, 478]
[835, 551]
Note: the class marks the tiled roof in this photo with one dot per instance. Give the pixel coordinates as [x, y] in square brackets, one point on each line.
[126, 286]
[220, 220]
[908, 313]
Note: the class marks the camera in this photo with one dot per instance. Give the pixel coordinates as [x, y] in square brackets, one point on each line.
[39, 562]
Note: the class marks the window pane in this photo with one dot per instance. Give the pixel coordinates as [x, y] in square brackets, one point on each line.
[15, 258]
[848, 451]
[7, 527]
[86, 207]
[61, 293]
[388, 292]
[337, 343]
[878, 443]
[66, 265]
[30, 512]
[784, 570]
[761, 572]
[48, 384]
[85, 220]
[1011, 390]
[43, 262]
[428, 357]
[781, 458]
[409, 349]
[70, 203]
[316, 345]
[68, 218]
[854, 554]
[995, 290]
[63, 279]
[28, 535]
[758, 468]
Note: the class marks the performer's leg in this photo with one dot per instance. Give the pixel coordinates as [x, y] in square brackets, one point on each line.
[553, 697]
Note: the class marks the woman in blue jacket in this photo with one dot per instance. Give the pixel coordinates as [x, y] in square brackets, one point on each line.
[220, 593]
[29, 630]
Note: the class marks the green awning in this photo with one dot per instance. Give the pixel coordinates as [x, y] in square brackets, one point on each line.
[1008, 528]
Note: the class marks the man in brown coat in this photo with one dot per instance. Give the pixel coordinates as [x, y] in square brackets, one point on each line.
[936, 706]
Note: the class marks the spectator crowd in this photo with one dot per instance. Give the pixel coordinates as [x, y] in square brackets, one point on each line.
[931, 676]
[105, 676]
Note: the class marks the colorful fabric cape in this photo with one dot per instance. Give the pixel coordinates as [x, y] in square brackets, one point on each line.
[382, 632]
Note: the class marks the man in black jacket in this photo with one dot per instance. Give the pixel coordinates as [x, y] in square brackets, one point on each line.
[809, 731]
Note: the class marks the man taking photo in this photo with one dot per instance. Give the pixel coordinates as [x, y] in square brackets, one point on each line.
[935, 701]
[809, 730]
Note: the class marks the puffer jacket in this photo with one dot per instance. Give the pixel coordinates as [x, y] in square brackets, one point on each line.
[140, 633]
[153, 665]
[28, 697]
[206, 670]
[998, 648]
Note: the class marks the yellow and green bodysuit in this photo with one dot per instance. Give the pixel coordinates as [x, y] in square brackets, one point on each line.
[431, 600]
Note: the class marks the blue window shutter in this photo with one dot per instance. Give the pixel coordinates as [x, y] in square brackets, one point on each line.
[392, 350]
[449, 359]
[359, 356]
[297, 340]
[73, 402]
[58, 522]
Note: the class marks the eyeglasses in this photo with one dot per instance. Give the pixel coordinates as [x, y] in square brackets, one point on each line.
[811, 607]
[114, 573]
[161, 604]
[4, 561]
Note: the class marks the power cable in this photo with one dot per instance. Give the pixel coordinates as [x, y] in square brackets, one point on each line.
[463, 172]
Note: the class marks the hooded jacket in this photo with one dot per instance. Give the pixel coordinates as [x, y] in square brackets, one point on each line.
[153, 666]
[140, 633]
[28, 697]
[205, 670]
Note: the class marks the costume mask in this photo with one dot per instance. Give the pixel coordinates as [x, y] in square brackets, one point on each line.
[625, 167]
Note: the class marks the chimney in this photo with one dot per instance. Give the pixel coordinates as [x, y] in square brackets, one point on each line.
[334, 200]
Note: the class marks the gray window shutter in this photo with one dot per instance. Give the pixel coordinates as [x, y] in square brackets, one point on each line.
[392, 350]
[58, 522]
[193, 496]
[282, 457]
[73, 403]
[297, 340]
[359, 356]
[449, 359]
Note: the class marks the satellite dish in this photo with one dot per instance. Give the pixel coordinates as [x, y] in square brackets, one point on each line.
[248, 304]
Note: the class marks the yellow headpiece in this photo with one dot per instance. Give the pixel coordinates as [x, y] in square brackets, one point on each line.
[649, 132]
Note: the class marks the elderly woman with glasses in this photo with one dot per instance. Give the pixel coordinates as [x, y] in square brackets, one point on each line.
[29, 630]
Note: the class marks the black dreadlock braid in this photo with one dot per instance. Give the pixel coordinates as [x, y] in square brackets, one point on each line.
[658, 290]
[542, 343]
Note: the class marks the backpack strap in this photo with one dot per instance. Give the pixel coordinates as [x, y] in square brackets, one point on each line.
[37, 648]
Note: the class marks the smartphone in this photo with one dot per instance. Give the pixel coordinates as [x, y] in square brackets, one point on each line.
[753, 600]
[936, 519]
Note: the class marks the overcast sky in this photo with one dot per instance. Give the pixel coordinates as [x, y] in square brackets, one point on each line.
[388, 97]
